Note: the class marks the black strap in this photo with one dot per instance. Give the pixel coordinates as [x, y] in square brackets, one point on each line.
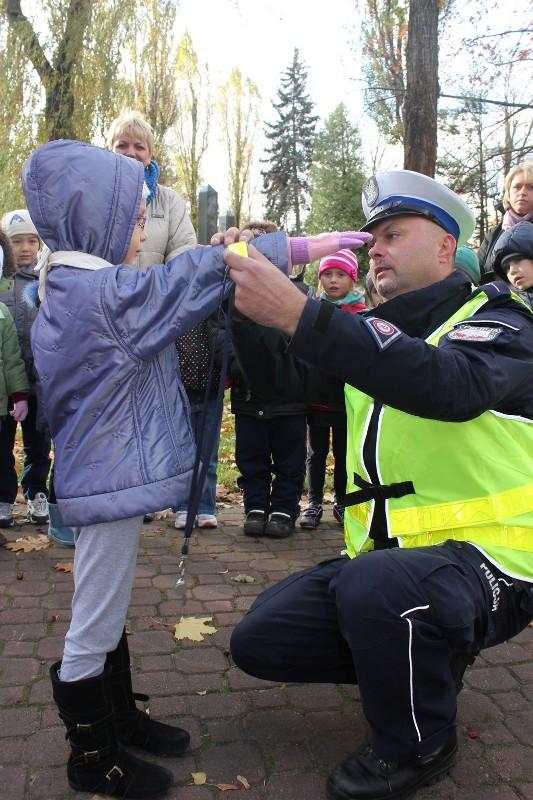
[325, 312]
[204, 442]
[377, 491]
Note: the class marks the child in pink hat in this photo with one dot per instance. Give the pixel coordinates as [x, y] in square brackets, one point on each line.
[337, 284]
[337, 275]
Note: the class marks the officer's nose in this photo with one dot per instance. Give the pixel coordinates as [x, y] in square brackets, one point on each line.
[373, 249]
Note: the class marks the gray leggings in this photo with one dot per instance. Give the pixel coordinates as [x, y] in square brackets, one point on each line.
[104, 569]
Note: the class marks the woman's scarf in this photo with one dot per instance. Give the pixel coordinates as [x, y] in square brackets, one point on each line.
[151, 178]
[511, 218]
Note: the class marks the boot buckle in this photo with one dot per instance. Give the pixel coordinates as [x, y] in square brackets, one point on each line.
[89, 756]
[114, 768]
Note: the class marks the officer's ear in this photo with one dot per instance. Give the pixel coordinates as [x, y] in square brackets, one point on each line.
[447, 248]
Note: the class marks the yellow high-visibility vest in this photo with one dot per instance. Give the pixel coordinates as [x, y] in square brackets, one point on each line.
[471, 481]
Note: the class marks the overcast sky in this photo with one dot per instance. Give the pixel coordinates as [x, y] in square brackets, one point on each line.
[259, 38]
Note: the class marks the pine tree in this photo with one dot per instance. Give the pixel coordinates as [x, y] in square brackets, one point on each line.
[336, 176]
[285, 182]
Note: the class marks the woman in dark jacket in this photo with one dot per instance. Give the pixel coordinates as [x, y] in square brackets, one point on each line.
[518, 204]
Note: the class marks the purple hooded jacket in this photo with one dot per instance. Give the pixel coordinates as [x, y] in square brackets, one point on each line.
[103, 341]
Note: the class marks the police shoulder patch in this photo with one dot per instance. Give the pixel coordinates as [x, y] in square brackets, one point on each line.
[474, 333]
[383, 332]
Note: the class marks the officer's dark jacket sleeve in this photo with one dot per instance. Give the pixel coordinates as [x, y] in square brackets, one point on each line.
[456, 381]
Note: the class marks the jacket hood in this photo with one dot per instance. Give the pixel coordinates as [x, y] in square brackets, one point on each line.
[518, 239]
[82, 197]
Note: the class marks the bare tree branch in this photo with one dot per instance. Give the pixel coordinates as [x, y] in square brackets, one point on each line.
[28, 37]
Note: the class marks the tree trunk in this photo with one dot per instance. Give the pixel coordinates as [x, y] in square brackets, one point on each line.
[56, 77]
[420, 104]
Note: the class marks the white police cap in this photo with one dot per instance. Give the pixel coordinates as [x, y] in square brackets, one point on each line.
[402, 192]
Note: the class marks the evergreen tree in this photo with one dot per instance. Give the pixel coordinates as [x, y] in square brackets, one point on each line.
[336, 176]
[285, 182]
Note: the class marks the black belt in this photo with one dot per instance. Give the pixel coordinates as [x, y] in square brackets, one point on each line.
[377, 491]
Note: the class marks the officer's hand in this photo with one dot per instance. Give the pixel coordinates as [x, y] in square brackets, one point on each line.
[263, 293]
[231, 236]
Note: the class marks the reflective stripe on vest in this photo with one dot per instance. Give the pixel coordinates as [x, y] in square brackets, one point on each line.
[484, 465]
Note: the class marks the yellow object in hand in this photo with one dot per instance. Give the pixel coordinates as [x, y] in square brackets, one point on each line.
[241, 248]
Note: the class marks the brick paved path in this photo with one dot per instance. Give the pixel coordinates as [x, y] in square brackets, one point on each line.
[283, 739]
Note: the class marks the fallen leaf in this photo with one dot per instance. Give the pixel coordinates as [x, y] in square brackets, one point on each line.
[20, 576]
[472, 733]
[55, 617]
[199, 778]
[65, 566]
[28, 543]
[243, 579]
[226, 787]
[244, 782]
[204, 692]
[193, 628]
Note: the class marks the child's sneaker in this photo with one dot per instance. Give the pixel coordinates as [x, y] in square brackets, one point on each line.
[181, 519]
[338, 513]
[206, 521]
[311, 516]
[254, 524]
[6, 515]
[280, 525]
[38, 509]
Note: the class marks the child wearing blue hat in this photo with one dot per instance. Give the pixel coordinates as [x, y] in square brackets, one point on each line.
[513, 259]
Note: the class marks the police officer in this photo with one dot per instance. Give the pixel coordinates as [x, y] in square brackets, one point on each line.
[439, 523]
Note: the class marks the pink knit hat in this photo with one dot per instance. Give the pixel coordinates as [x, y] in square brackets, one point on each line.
[343, 260]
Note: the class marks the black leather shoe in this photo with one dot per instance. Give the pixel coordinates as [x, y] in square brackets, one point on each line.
[279, 525]
[366, 776]
[254, 524]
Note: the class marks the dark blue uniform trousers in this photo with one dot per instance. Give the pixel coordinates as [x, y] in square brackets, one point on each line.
[388, 620]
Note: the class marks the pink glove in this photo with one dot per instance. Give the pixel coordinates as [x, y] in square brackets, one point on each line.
[20, 410]
[303, 249]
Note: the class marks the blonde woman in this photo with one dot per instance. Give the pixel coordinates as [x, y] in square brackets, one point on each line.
[518, 204]
[168, 226]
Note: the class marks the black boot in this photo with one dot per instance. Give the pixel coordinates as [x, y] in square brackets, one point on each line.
[135, 727]
[97, 763]
[366, 776]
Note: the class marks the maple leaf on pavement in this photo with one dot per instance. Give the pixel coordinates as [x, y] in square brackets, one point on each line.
[28, 543]
[193, 628]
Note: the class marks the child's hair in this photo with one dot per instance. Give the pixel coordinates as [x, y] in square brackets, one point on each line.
[7, 259]
[527, 168]
[132, 123]
[259, 226]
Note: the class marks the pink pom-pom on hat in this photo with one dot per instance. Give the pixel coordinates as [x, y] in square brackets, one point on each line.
[344, 260]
